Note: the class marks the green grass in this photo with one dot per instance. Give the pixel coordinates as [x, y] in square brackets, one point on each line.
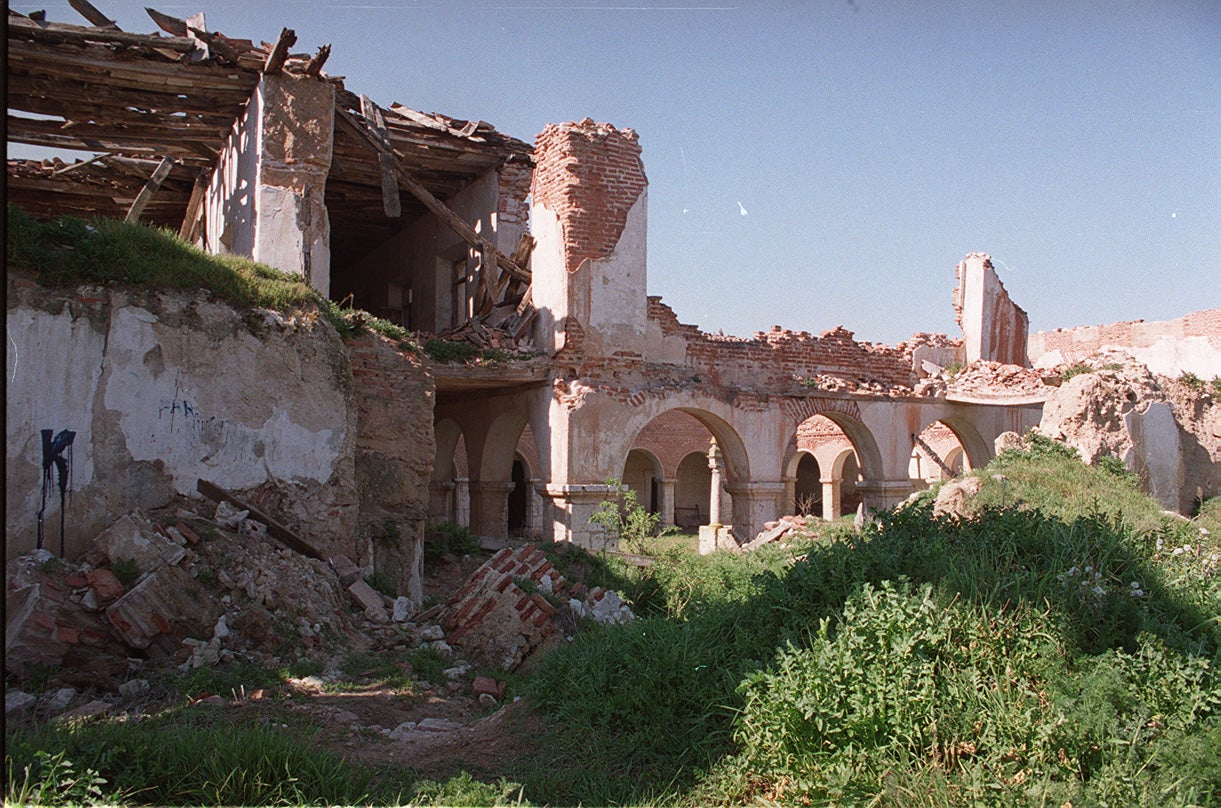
[68, 252]
[1001, 659]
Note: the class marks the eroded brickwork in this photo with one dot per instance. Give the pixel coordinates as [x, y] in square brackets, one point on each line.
[671, 436]
[1076, 344]
[511, 207]
[590, 175]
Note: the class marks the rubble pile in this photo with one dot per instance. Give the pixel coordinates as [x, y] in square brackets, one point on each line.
[778, 530]
[991, 380]
[505, 613]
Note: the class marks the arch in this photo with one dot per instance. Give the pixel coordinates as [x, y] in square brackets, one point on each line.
[692, 491]
[642, 473]
[868, 456]
[500, 447]
[807, 489]
[978, 450]
[447, 434]
[518, 510]
[733, 449]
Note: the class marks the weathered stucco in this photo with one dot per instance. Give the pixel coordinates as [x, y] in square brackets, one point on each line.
[165, 389]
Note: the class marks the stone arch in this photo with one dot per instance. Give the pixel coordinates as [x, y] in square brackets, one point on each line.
[692, 491]
[978, 451]
[642, 473]
[733, 448]
[448, 492]
[500, 446]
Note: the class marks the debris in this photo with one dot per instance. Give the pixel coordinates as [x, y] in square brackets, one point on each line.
[368, 600]
[17, 703]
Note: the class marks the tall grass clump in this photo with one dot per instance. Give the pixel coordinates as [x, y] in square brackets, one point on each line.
[1054, 646]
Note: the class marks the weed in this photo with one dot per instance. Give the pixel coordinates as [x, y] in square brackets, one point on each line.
[207, 577]
[1192, 380]
[1075, 369]
[449, 537]
[953, 369]
[428, 664]
[126, 570]
[383, 583]
[624, 521]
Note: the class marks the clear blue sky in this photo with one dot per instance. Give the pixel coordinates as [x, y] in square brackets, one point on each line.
[871, 144]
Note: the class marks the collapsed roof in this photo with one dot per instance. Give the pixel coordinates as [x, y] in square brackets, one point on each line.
[168, 101]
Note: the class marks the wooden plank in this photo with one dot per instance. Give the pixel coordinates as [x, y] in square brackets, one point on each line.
[54, 32]
[451, 219]
[274, 529]
[150, 188]
[190, 221]
[275, 60]
[314, 68]
[95, 17]
[385, 158]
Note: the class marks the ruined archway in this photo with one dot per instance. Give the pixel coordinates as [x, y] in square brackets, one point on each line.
[692, 492]
[448, 495]
[642, 473]
[844, 452]
[937, 454]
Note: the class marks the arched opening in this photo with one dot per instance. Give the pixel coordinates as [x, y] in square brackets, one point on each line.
[692, 491]
[519, 499]
[642, 474]
[835, 446]
[937, 454]
[449, 495]
[807, 492]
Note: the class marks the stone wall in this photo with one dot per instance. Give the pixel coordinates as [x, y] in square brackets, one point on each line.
[164, 389]
[994, 327]
[1192, 343]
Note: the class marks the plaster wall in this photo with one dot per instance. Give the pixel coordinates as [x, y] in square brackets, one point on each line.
[994, 328]
[164, 390]
[229, 206]
[1191, 343]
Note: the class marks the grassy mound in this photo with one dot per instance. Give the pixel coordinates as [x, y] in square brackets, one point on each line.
[1061, 648]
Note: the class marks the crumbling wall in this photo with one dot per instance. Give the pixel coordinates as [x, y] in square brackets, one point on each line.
[1192, 343]
[993, 326]
[589, 218]
[164, 389]
[394, 450]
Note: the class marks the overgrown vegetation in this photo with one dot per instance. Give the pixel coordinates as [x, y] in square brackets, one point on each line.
[449, 538]
[69, 251]
[1053, 649]
[625, 523]
[450, 351]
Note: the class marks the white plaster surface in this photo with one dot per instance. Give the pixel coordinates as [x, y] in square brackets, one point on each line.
[196, 427]
[49, 386]
[1156, 454]
[618, 309]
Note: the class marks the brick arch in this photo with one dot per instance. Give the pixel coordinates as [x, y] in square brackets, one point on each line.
[670, 437]
[975, 446]
[858, 435]
[733, 449]
[448, 437]
[500, 446]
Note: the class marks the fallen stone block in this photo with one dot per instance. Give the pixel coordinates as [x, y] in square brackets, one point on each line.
[105, 585]
[162, 610]
[134, 537]
[368, 600]
[346, 570]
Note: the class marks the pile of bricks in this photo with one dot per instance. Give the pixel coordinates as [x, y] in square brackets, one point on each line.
[493, 616]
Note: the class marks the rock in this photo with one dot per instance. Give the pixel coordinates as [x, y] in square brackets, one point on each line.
[105, 586]
[441, 647]
[432, 633]
[368, 600]
[954, 497]
[133, 688]
[487, 700]
[486, 685]
[229, 516]
[60, 700]
[134, 537]
[437, 725]
[1007, 441]
[402, 609]
[345, 569]
[85, 711]
[403, 730]
[255, 623]
[18, 703]
[163, 608]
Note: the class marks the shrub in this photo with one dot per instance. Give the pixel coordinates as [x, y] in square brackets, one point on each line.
[449, 537]
[624, 521]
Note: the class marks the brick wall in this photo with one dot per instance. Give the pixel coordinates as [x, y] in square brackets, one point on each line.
[671, 436]
[1078, 343]
[588, 174]
[511, 208]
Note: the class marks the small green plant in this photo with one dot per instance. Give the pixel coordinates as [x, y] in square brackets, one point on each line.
[383, 583]
[428, 664]
[449, 537]
[1075, 369]
[446, 351]
[51, 779]
[126, 570]
[953, 369]
[1116, 468]
[624, 520]
[1215, 386]
[1192, 380]
[207, 577]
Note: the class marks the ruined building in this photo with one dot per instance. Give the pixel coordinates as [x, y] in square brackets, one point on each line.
[449, 228]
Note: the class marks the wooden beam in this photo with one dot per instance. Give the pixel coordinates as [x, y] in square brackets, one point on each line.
[171, 25]
[95, 17]
[275, 60]
[190, 221]
[146, 193]
[385, 158]
[275, 530]
[314, 68]
[442, 211]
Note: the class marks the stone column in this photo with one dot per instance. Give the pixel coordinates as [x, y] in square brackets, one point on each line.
[881, 494]
[462, 501]
[667, 501]
[490, 508]
[831, 499]
[753, 504]
[714, 464]
[441, 501]
[534, 507]
[572, 505]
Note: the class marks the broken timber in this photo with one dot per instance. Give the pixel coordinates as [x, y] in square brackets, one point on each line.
[274, 529]
[385, 157]
[146, 193]
[442, 211]
[919, 441]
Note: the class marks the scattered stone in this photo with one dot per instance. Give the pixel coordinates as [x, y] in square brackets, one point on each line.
[402, 609]
[229, 516]
[432, 633]
[403, 730]
[135, 537]
[345, 569]
[437, 725]
[17, 703]
[134, 687]
[367, 599]
[487, 700]
[85, 711]
[105, 586]
[954, 497]
[61, 700]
